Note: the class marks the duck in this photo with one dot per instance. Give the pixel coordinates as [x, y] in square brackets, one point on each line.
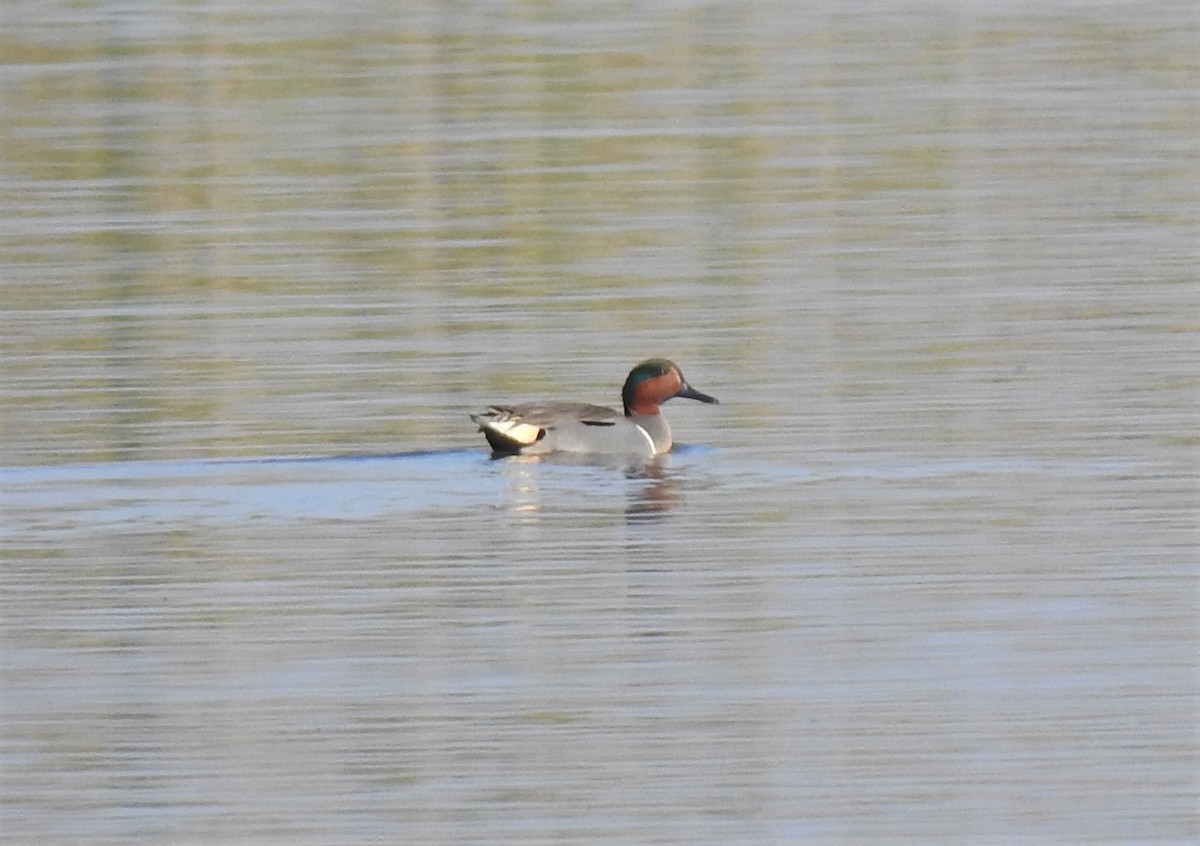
[540, 428]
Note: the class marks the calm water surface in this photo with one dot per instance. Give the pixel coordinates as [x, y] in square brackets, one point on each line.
[927, 574]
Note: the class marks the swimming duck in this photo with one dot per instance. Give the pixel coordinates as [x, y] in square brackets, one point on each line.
[545, 427]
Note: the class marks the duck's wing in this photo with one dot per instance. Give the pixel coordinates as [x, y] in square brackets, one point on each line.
[509, 428]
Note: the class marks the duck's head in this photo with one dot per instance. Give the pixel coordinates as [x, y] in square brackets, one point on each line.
[652, 383]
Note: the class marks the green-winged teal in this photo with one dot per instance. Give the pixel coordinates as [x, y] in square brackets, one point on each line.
[544, 427]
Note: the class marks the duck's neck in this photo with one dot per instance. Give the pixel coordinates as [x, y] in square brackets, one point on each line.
[641, 408]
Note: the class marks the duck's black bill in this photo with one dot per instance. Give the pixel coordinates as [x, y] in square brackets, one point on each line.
[688, 392]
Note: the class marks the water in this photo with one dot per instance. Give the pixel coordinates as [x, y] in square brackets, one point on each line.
[928, 573]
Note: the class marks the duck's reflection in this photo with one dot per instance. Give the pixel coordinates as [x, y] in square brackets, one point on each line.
[659, 493]
[652, 487]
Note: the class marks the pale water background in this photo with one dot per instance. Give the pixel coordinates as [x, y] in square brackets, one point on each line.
[927, 574]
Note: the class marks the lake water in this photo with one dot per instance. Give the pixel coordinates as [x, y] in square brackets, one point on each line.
[927, 574]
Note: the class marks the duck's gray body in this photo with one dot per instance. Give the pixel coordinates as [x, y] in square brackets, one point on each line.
[541, 428]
